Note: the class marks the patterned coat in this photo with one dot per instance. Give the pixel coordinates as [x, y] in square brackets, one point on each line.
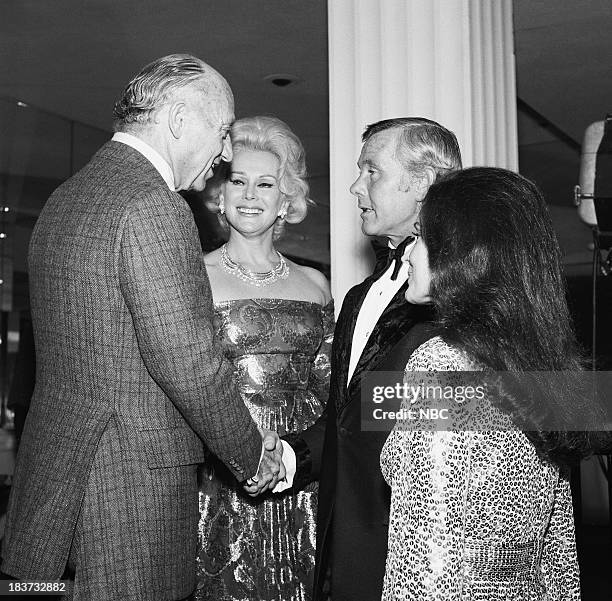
[353, 508]
[128, 385]
[475, 514]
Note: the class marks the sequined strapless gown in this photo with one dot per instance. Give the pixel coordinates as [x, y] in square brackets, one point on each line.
[263, 549]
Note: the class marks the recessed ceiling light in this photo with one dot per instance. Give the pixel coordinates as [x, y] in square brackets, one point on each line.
[281, 80]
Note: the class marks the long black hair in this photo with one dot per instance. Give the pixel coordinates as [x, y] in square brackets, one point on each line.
[497, 283]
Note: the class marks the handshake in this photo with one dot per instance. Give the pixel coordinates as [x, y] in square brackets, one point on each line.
[272, 473]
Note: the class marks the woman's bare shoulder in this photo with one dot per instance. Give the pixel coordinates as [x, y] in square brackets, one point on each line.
[212, 259]
[317, 279]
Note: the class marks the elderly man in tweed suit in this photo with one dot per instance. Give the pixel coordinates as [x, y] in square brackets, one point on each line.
[129, 381]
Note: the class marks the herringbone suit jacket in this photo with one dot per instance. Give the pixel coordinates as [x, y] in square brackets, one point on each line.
[129, 383]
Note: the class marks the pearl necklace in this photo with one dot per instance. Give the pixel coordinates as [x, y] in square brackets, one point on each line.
[279, 272]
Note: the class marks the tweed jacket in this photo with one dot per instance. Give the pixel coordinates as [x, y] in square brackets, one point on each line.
[353, 506]
[127, 369]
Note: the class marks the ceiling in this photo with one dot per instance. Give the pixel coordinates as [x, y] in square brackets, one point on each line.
[564, 72]
[72, 58]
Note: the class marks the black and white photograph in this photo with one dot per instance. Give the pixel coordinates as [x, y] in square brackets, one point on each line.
[306, 300]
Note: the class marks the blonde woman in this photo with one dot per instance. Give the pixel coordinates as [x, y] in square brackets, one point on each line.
[274, 319]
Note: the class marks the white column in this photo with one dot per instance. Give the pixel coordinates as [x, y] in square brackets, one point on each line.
[448, 60]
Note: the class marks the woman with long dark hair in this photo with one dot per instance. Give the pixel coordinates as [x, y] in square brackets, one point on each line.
[485, 512]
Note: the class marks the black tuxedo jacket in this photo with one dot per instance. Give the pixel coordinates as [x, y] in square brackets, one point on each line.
[353, 507]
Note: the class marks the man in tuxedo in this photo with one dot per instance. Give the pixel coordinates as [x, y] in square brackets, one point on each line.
[129, 382]
[376, 330]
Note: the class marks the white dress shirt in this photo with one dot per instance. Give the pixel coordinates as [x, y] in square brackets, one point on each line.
[377, 299]
[149, 153]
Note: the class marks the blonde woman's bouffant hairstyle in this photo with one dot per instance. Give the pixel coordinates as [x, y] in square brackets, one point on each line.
[270, 134]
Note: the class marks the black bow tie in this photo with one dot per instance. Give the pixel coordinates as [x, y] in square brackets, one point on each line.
[385, 255]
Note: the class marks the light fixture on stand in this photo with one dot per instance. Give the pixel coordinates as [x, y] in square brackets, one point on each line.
[593, 197]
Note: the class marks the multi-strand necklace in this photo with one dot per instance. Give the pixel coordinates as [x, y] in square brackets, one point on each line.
[279, 272]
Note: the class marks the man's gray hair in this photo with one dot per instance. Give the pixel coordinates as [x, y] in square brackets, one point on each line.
[421, 143]
[156, 84]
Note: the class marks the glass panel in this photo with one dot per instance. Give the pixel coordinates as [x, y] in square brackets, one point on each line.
[38, 151]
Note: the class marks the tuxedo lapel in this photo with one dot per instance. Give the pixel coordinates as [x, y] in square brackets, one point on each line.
[343, 334]
[397, 318]
[378, 342]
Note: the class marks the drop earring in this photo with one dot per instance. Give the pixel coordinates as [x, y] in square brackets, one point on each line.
[222, 206]
[283, 213]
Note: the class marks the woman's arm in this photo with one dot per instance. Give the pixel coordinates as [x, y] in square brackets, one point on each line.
[430, 477]
[320, 371]
[559, 561]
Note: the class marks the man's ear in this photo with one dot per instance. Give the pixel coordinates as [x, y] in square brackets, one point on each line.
[176, 118]
[425, 181]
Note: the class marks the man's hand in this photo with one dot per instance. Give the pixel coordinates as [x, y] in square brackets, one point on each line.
[271, 440]
[271, 468]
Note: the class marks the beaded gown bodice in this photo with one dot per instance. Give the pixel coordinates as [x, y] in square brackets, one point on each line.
[263, 548]
[475, 515]
[274, 345]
